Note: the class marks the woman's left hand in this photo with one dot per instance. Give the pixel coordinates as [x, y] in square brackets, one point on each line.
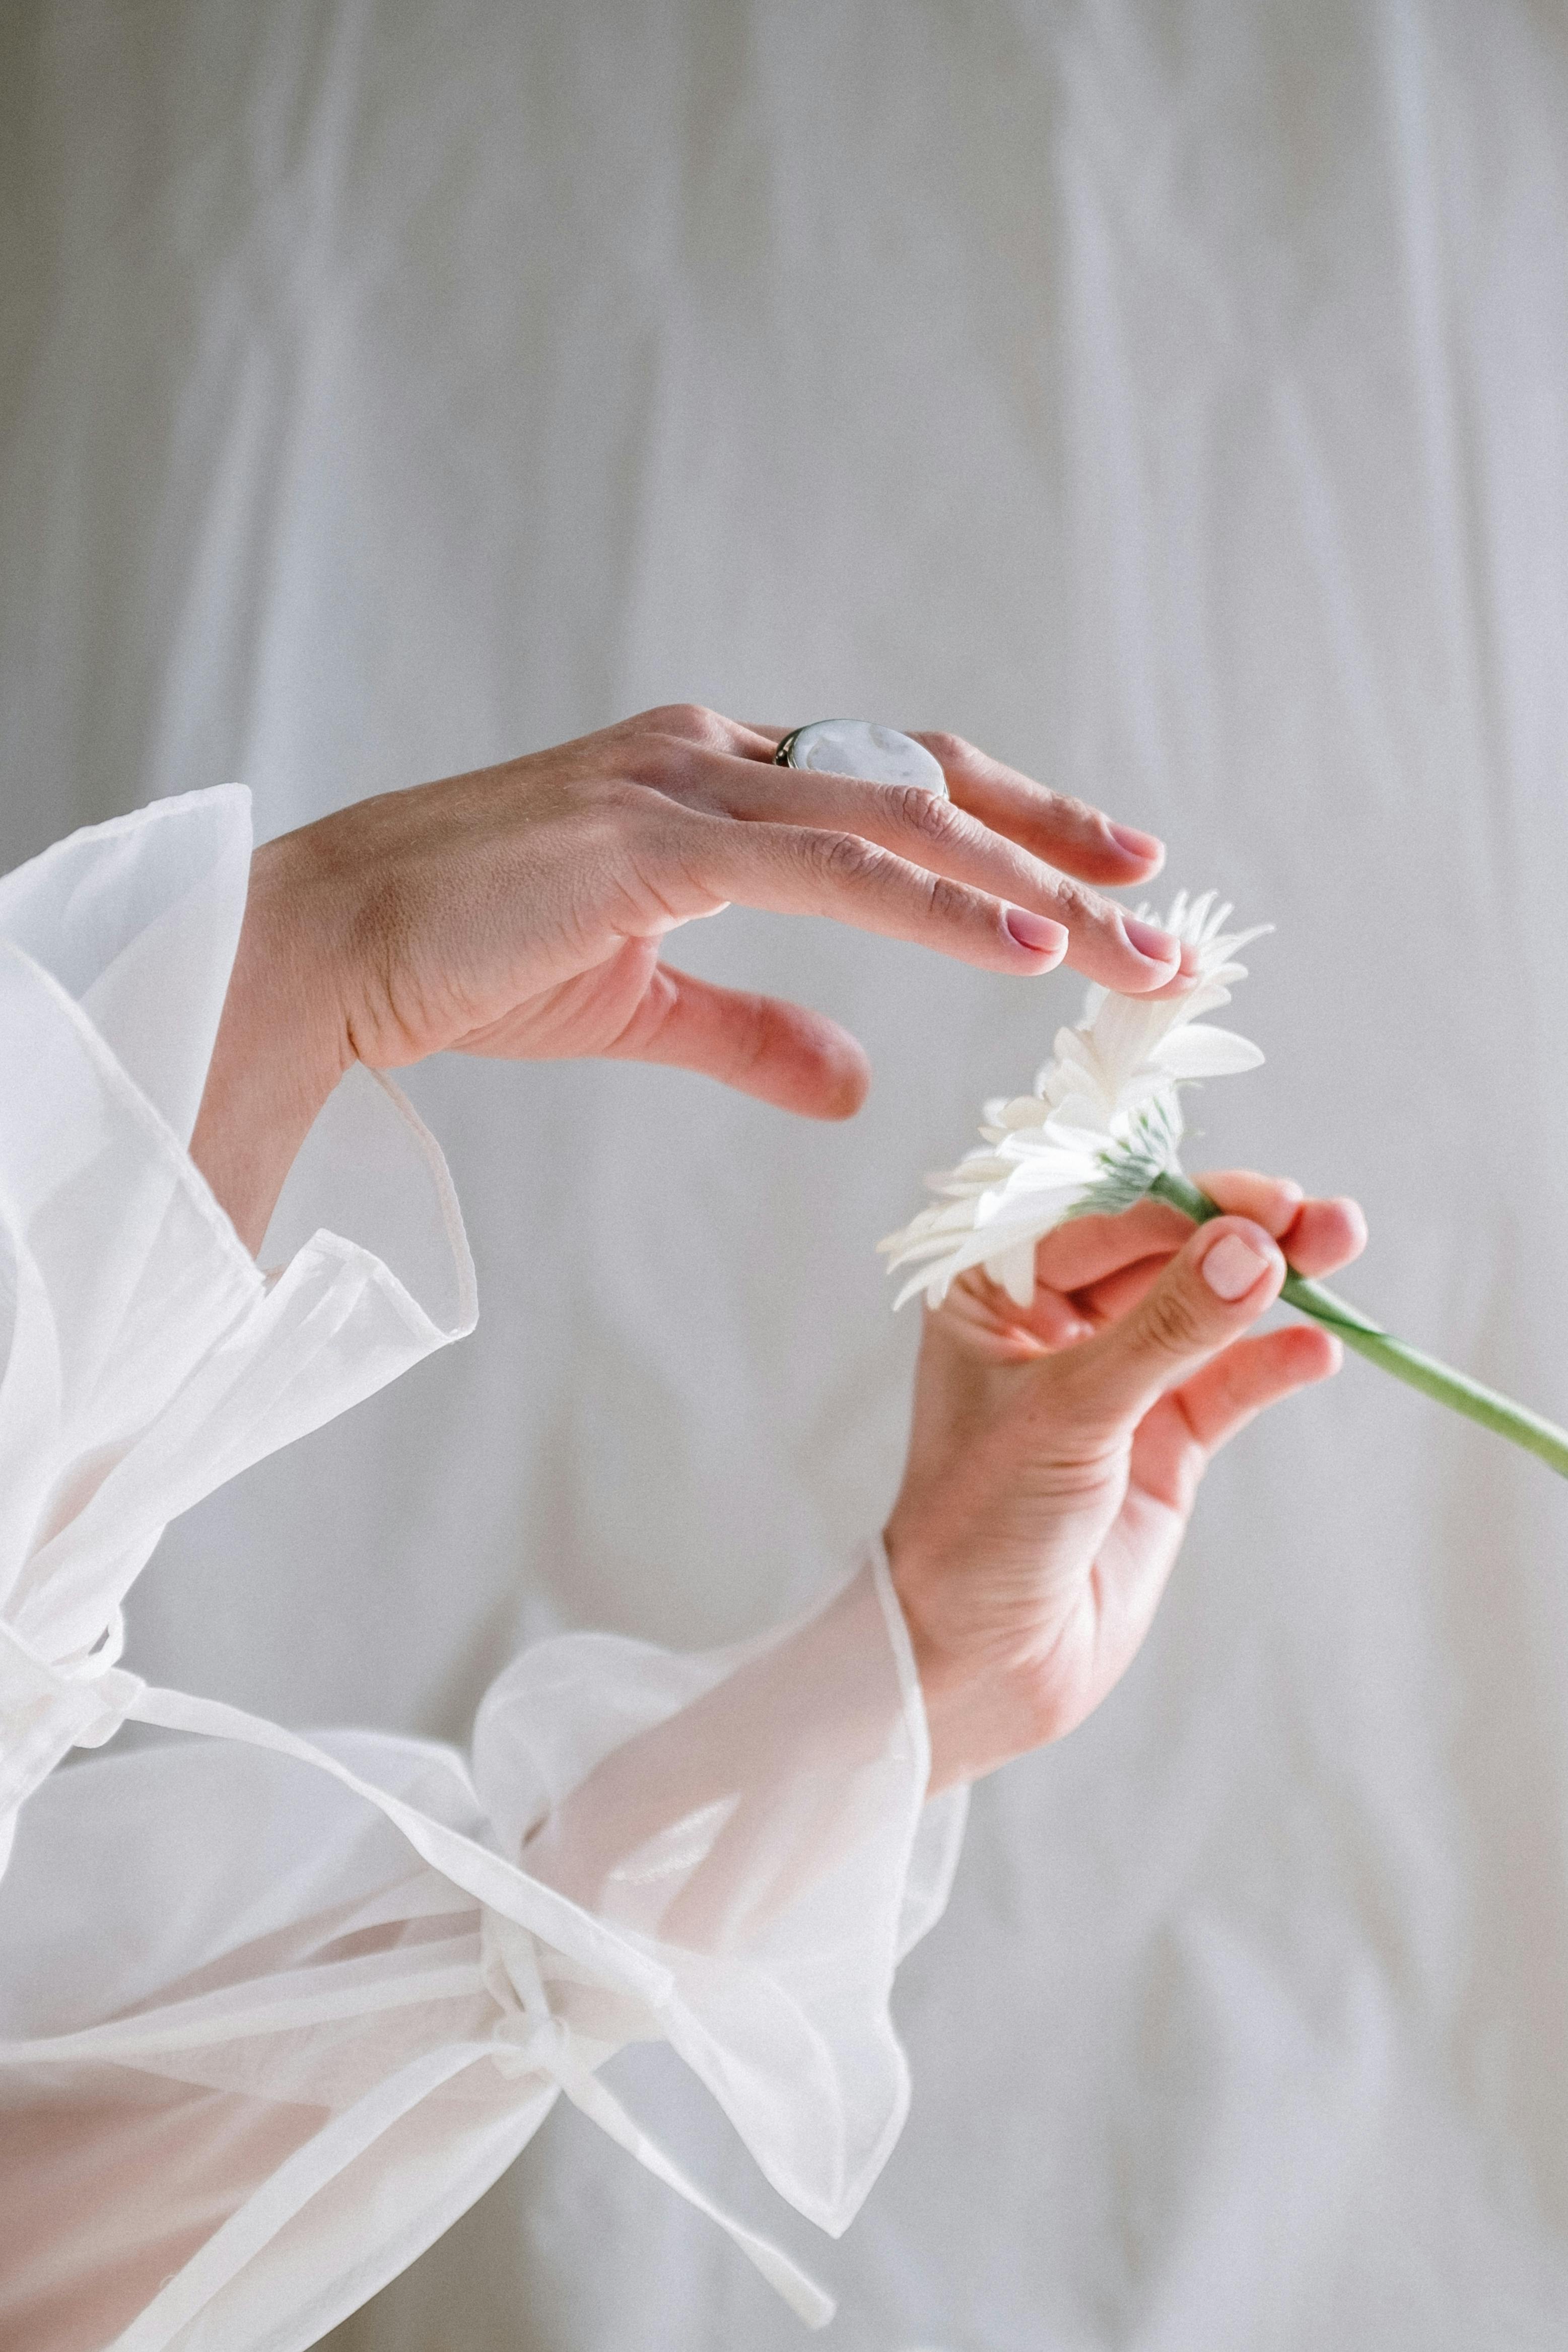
[520, 911]
[1056, 1450]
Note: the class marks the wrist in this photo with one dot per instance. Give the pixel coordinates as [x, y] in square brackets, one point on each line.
[283, 1042]
[983, 1704]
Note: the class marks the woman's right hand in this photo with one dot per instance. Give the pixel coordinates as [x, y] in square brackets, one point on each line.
[518, 911]
[1056, 1449]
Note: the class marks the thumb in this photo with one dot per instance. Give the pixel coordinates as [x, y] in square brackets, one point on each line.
[1221, 1281]
[759, 1044]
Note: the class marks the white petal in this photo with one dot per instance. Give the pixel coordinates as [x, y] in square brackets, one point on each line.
[935, 1291]
[1015, 1110]
[1014, 1269]
[971, 1174]
[1143, 1086]
[1226, 945]
[1074, 1050]
[1107, 1079]
[1199, 1052]
[1057, 1154]
[1087, 1113]
[1094, 998]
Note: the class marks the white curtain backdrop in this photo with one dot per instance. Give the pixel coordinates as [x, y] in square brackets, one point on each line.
[1174, 397]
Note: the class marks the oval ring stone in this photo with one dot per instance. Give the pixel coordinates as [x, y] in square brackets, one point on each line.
[858, 747]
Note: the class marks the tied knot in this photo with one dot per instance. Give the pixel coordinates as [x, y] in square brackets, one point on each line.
[46, 1707]
[528, 2038]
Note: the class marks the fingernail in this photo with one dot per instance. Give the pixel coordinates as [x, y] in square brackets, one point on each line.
[1037, 932]
[1233, 1265]
[1158, 946]
[1136, 844]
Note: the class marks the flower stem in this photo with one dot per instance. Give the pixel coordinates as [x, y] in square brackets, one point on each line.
[1368, 1339]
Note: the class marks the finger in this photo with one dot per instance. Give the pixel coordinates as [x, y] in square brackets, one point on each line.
[803, 870]
[1113, 1295]
[1068, 832]
[782, 1052]
[1252, 1373]
[1320, 1238]
[1100, 940]
[1272, 1202]
[1226, 1276]
[1176, 1440]
[692, 723]
[1326, 1236]
[1085, 1249]
[1016, 808]
[1106, 1264]
[934, 833]
[980, 1307]
[1317, 1236]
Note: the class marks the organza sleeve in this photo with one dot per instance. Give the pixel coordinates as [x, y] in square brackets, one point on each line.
[144, 1356]
[275, 2011]
[320, 1993]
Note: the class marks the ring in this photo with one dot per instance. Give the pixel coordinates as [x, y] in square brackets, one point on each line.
[855, 747]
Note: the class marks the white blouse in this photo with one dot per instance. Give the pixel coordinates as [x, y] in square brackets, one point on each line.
[274, 2011]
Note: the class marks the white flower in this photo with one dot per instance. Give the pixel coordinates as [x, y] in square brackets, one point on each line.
[1103, 1118]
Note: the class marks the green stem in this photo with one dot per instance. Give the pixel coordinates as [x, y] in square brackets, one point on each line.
[1368, 1339]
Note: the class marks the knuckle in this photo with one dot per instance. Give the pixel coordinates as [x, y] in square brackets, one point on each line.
[1068, 809]
[922, 813]
[703, 726]
[677, 767]
[1076, 903]
[750, 1044]
[659, 760]
[689, 720]
[950, 902]
[843, 857]
[621, 799]
[1173, 1321]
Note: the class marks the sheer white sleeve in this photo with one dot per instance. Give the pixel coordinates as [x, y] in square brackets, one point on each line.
[144, 1356]
[275, 2011]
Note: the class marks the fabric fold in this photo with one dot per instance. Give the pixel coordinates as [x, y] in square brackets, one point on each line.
[275, 2010]
[145, 1358]
[355, 1953]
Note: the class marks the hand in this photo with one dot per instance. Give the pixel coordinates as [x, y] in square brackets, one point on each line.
[1056, 1450]
[518, 911]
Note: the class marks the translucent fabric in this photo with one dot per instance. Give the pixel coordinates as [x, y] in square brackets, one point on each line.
[274, 2011]
[146, 1357]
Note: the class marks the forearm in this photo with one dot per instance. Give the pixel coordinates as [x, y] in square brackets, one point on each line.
[282, 1045]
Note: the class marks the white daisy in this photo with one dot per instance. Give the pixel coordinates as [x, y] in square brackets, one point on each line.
[1102, 1122]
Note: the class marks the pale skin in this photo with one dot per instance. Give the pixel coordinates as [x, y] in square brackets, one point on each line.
[519, 911]
[1055, 1452]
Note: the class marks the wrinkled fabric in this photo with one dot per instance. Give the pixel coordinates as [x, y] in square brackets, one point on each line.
[274, 2011]
[1172, 397]
[147, 1358]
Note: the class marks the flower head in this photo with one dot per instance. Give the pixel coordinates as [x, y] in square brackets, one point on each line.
[1103, 1120]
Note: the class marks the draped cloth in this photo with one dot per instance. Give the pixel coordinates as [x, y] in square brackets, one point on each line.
[275, 2009]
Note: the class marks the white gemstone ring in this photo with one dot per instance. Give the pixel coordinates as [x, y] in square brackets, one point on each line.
[855, 747]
